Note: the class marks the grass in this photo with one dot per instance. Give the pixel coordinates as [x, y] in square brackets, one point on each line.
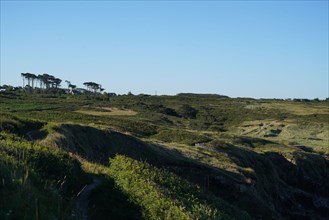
[107, 112]
[180, 136]
[309, 134]
[37, 182]
[25, 196]
[294, 108]
[166, 196]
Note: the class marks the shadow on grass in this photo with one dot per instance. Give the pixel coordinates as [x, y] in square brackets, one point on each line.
[108, 202]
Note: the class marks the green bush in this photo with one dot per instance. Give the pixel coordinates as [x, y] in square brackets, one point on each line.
[187, 111]
[163, 195]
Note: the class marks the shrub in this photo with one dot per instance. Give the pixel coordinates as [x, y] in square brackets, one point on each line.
[163, 195]
[186, 111]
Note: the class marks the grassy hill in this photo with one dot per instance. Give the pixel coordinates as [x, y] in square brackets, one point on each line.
[188, 156]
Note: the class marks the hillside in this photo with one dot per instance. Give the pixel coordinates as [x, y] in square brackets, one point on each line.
[188, 156]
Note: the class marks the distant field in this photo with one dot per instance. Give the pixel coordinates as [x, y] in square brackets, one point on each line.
[313, 135]
[293, 107]
[103, 111]
[307, 125]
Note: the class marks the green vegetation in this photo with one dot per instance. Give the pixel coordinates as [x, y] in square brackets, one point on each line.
[166, 196]
[37, 182]
[188, 156]
[181, 136]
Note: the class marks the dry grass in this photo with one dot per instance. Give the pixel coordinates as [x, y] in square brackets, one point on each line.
[294, 108]
[314, 135]
[107, 112]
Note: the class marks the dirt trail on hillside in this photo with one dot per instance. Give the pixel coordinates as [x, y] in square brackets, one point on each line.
[82, 198]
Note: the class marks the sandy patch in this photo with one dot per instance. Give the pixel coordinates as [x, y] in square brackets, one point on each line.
[107, 112]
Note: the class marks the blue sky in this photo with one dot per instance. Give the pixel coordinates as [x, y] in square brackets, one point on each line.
[272, 49]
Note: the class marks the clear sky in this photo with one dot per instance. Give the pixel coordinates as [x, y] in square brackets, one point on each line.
[261, 49]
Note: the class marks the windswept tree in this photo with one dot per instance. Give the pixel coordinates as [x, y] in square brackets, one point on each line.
[95, 87]
[56, 83]
[88, 85]
[101, 89]
[72, 86]
[44, 79]
[92, 86]
[30, 77]
[24, 77]
[47, 80]
[33, 79]
[41, 81]
[50, 81]
[68, 84]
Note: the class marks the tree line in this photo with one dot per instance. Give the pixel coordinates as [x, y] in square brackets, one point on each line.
[47, 81]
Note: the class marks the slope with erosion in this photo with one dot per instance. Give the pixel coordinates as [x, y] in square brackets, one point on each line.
[98, 145]
[234, 173]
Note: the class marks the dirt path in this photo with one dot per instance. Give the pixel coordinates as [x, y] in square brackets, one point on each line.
[82, 198]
